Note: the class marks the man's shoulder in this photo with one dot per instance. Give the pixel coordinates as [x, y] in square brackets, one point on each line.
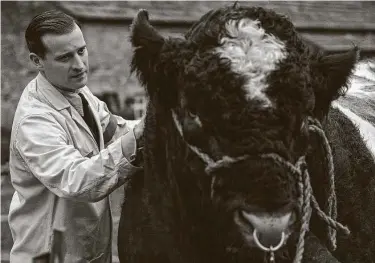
[34, 112]
[30, 105]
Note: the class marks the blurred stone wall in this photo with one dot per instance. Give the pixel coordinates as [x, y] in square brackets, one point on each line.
[109, 56]
[16, 70]
[108, 41]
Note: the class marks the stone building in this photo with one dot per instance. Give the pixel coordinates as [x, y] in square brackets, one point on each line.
[334, 26]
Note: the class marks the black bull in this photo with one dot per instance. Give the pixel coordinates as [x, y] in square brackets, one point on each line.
[168, 215]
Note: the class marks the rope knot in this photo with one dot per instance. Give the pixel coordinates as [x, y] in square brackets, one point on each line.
[307, 201]
[224, 162]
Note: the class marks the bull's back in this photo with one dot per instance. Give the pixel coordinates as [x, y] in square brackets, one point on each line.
[359, 103]
[351, 130]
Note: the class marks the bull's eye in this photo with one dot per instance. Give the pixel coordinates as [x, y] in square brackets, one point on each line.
[192, 115]
[195, 118]
[192, 120]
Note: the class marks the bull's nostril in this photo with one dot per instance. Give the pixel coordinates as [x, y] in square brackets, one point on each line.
[269, 227]
[269, 221]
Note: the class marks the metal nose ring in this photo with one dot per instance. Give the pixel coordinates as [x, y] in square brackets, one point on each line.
[271, 248]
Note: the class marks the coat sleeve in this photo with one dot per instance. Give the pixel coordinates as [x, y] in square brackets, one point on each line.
[43, 145]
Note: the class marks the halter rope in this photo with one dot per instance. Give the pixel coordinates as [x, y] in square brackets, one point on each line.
[331, 208]
[307, 200]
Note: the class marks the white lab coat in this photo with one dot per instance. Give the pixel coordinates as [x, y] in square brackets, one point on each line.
[62, 178]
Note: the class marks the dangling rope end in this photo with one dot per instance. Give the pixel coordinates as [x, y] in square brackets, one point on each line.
[345, 230]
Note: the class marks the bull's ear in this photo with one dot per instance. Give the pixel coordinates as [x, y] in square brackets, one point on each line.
[147, 44]
[336, 70]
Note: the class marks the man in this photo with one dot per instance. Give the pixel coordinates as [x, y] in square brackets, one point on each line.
[68, 152]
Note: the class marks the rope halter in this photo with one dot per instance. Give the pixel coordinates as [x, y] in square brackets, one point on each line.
[307, 201]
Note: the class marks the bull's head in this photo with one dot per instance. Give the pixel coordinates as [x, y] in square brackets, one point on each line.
[242, 85]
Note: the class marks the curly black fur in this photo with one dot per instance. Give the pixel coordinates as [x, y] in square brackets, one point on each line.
[169, 215]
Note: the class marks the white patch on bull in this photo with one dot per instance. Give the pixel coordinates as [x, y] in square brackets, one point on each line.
[366, 129]
[253, 54]
[361, 101]
[363, 76]
[366, 69]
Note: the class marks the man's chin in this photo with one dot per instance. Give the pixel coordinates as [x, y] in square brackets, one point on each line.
[77, 84]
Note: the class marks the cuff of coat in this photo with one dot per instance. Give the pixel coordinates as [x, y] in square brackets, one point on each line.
[129, 146]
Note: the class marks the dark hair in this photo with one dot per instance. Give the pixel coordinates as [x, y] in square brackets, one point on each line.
[48, 22]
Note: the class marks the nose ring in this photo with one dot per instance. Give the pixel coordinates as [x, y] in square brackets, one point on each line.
[271, 248]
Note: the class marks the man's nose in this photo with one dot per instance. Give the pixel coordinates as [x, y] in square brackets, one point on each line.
[78, 63]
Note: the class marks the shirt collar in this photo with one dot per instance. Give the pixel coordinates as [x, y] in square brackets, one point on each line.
[56, 97]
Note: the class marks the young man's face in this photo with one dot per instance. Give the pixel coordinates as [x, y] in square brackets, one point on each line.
[65, 64]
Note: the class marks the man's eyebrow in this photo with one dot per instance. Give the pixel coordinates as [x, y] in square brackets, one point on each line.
[70, 52]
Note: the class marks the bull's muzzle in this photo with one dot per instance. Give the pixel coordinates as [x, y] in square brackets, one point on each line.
[269, 230]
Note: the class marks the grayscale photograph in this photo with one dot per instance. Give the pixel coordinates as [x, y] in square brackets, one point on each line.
[187, 132]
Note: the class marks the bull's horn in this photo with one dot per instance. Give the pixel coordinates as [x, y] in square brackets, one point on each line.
[143, 34]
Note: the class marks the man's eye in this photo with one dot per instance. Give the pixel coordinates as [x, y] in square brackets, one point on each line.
[63, 59]
[81, 51]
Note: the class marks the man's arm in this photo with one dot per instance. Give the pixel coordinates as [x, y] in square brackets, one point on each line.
[113, 126]
[44, 147]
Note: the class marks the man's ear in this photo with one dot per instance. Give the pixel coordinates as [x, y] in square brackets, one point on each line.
[334, 73]
[37, 61]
